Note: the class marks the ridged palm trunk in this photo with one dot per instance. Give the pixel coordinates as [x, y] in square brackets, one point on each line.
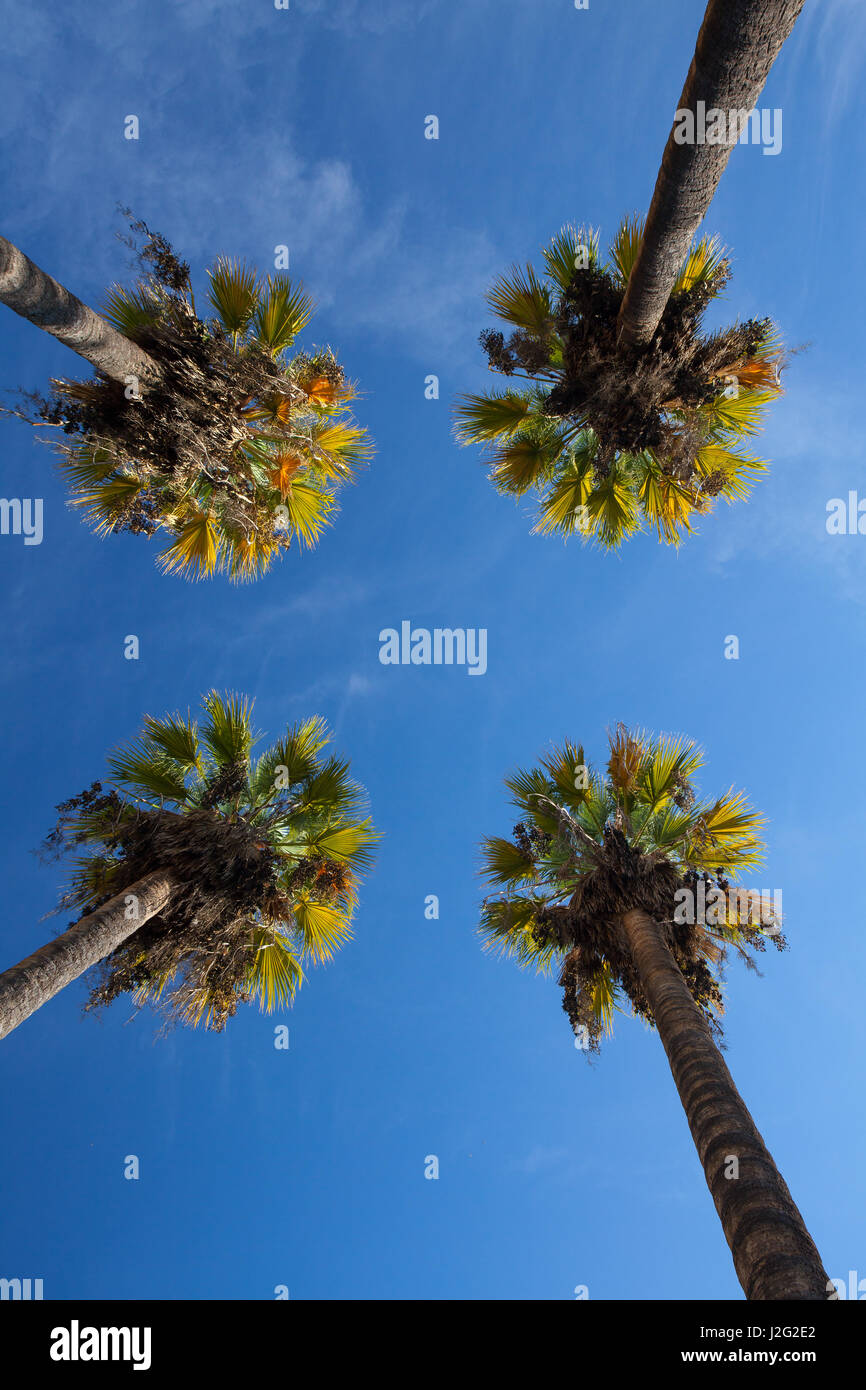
[30, 984]
[37, 297]
[774, 1255]
[737, 45]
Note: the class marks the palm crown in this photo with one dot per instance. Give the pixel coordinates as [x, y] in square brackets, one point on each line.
[592, 845]
[267, 853]
[612, 440]
[239, 448]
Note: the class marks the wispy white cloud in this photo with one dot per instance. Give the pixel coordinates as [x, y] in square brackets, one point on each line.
[373, 16]
[834, 32]
[539, 1159]
[816, 453]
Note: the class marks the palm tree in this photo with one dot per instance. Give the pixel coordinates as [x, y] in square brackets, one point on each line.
[610, 443]
[630, 416]
[207, 877]
[622, 880]
[205, 428]
[738, 43]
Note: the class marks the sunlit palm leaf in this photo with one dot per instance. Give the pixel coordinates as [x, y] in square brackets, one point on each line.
[282, 311]
[308, 509]
[227, 732]
[625, 247]
[176, 737]
[274, 974]
[195, 552]
[322, 929]
[571, 251]
[234, 294]
[702, 265]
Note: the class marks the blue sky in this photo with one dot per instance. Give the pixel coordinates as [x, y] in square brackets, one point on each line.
[306, 1167]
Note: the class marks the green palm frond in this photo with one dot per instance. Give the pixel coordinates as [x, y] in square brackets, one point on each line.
[322, 928]
[526, 785]
[292, 760]
[281, 312]
[132, 311]
[106, 505]
[331, 788]
[625, 247]
[735, 473]
[176, 737]
[572, 249]
[667, 503]
[605, 509]
[505, 864]
[87, 467]
[483, 418]
[144, 769]
[247, 558]
[521, 299]
[726, 834]
[525, 462]
[348, 844]
[668, 764]
[570, 775]
[740, 415]
[339, 448]
[227, 732]
[603, 997]
[274, 974]
[234, 294]
[507, 928]
[91, 878]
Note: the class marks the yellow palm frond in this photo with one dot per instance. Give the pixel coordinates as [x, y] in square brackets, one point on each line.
[308, 509]
[340, 447]
[322, 928]
[625, 247]
[280, 314]
[667, 503]
[195, 551]
[274, 973]
[701, 265]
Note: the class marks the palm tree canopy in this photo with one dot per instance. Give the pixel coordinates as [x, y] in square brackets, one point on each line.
[268, 851]
[615, 441]
[591, 845]
[240, 446]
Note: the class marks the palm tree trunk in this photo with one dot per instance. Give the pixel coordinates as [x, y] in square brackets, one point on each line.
[737, 45]
[35, 296]
[774, 1255]
[27, 986]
